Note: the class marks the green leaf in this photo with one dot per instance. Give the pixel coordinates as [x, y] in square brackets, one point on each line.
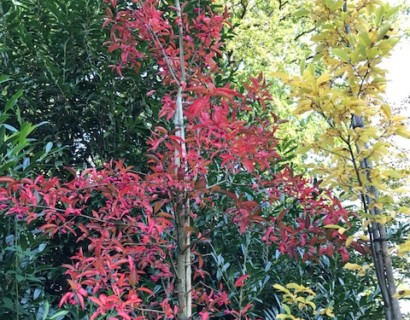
[300, 13]
[46, 310]
[20, 278]
[59, 314]
[364, 39]
[383, 31]
[342, 54]
[36, 293]
[13, 100]
[9, 127]
[4, 78]
[8, 303]
[48, 146]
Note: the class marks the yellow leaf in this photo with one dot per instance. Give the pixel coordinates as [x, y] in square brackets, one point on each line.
[378, 205]
[329, 312]
[404, 247]
[303, 149]
[280, 75]
[402, 293]
[364, 237]
[399, 118]
[295, 286]
[349, 240]
[386, 110]
[382, 219]
[332, 226]
[369, 132]
[404, 210]
[323, 78]
[401, 190]
[352, 266]
[365, 224]
[362, 272]
[281, 288]
[310, 303]
[286, 316]
[403, 132]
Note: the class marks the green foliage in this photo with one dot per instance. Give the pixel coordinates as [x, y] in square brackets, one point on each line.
[19, 152]
[27, 274]
[268, 35]
[233, 254]
[54, 52]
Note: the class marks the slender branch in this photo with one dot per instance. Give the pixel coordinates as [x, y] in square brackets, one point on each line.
[166, 57]
[303, 33]
[149, 310]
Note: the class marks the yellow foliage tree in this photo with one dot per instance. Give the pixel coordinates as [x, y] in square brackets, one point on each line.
[344, 83]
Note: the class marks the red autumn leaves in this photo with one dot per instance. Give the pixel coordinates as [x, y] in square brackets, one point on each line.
[124, 222]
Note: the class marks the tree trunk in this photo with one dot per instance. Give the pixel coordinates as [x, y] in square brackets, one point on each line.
[378, 239]
[182, 217]
[184, 267]
[377, 232]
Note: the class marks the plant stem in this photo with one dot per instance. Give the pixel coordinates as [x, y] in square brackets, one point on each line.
[182, 220]
[377, 232]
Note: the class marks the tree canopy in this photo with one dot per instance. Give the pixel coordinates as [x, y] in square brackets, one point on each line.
[143, 143]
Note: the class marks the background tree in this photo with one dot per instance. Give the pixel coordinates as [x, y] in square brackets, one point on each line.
[278, 33]
[54, 52]
[30, 276]
[56, 72]
[258, 22]
[345, 89]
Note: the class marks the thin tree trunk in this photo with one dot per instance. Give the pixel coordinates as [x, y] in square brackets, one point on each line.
[378, 239]
[182, 218]
[184, 285]
[377, 232]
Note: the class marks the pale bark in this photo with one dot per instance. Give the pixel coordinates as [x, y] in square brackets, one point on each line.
[182, 218]
[378, 239]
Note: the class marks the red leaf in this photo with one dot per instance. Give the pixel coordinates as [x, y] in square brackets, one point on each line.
[226, 93]
[6, 179]
[246, 308]
[195, 109]
[65, 298]
[96, 301]
[113, 47]
[150, 292]
[81, 300]
[240, 282]
[198, 89]
[204, 315]
[108, 12]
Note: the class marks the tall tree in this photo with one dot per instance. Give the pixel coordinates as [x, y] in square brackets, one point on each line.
[345, 89]
[139, 234]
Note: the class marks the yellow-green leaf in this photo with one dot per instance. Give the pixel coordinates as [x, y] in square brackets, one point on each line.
[402, 293]
[281, 288]
[352, 266]
[343, 54]
[349, 240]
